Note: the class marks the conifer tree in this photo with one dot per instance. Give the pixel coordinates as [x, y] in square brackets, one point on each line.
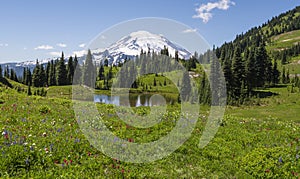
[101, 72]
[89, 71]
[61, 72]
[186, 88]
[1, 74]
[276, 74]
[6, 72]
[47, 72]
[70, 69]
[52, 74]
[288, 76]
[283, 77]
[36, 82]
[43, 79]
[238, 72]
[29, 91]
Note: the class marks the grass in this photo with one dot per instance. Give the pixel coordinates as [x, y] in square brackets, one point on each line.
[285, 40]
[42, 139]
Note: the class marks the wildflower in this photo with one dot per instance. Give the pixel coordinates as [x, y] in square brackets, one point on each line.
[25, 143]
[77, 140]
[122, 170]
[280, 160]
[297, 156]
[268, 171]
[65, 161]
[56, 162]
[31, 148]
[44, 134]
[46, 150]
[27, 161]
[29, 135]
[130, 140]
[33, 144]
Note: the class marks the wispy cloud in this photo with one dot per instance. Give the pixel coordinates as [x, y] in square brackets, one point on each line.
[189, 31]
[62, 45]
[55, 54]
[204, 10]
[3, 45]
[43, 47]
[79, 53]
[82, 45]
[102, 37]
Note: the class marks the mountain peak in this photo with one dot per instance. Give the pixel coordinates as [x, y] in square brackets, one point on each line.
[131, 45]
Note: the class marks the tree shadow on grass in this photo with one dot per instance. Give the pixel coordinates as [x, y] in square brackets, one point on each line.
[264, 94]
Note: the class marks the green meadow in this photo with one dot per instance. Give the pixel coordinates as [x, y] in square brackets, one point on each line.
[41, 138]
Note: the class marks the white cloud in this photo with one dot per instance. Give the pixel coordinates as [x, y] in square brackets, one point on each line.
[25, 48]
[79, 53]
[55, 54]
[3, 45]
[189, 31]
[61, 45]
[43, 47]
[82, 45]
[204, 10]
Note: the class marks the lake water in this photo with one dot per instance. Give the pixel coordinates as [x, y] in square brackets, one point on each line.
[135, 100]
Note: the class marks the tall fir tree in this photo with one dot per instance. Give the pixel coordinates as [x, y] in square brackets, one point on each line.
[43, 78]
[61, 71]
[70, 69]
[36, 79]
[6, 72]
[52, 74]
[101, 73]
[89, 71]
[276, 74]
[250, 71]
[24, 77]
[238, 71]
[47, 72]
[283, 77]
[186, 88]
[1, 73]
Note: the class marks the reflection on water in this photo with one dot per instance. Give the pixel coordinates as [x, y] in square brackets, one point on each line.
[134, 100]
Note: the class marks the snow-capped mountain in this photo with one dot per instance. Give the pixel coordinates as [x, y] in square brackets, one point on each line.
[131, 46]
[127, 47]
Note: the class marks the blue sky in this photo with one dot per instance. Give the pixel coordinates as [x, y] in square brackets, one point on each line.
[39, 29]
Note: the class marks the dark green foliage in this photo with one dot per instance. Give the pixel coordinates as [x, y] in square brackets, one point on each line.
[52, 74]
[43, 77]
[6, 72]
[70, 69]
[101, 73]
[238, 72]
[89, 71]
[36, 78]
[29, 93]
[276, 74]
[186, 88]
[1, 73]
[154, 82]
[283, 76]
[61, 72]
